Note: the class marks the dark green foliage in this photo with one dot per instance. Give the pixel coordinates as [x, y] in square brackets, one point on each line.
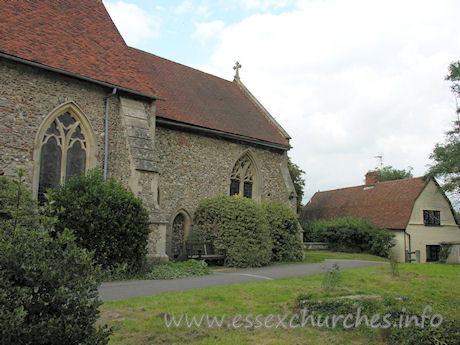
[350, 235]
[48, 285]
[446, 156]
[298, 181]
[388, 173]
[447, 161]
[447, 333]
[172, 270]
[393, 314]
[285, 234]
[236, 224]
[454, 77]
[23, 210]
[106, 218]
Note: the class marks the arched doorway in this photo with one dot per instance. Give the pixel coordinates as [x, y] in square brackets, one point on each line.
[178, 236]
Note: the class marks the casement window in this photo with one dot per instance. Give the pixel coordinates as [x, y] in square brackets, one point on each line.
[432, 253]
[431, 218]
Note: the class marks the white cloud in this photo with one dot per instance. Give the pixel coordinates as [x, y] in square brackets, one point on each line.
[207, 31]
[134, 23]
[264, 4]
[349, 80]
[183, 7]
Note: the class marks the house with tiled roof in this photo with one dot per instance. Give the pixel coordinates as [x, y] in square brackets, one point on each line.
[74, 96]
[417, 211]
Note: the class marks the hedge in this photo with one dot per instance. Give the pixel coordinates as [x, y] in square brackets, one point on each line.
[284, 231]
[236, 224]
[350, 235]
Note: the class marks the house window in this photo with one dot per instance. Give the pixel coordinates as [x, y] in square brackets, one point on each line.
[63, 153]
[242, 178]
[432, 253]
[431, 218]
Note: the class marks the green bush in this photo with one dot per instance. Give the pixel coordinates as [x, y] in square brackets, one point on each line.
[350, 235]
[106, 218]
[238, 225]
[285, 235]
[172, 270]
[48, 285]
[22, 210]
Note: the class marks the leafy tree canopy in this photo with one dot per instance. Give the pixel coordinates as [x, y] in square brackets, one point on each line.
[446, 156]
[454, 77]
[447, 160]
[388, 173]
[298, 181]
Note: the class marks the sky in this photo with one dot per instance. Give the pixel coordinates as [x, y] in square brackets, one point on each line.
[348, 80]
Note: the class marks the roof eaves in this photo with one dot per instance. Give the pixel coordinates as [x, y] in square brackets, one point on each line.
[415, 199]
[232, 136]
[446, 198]
[70, 74]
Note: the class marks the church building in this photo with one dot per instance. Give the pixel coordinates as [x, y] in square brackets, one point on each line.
[74, 96]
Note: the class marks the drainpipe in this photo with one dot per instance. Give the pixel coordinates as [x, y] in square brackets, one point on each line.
[405, 250]
[106, 144]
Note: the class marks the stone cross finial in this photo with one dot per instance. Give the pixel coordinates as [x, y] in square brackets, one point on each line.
[236, 68]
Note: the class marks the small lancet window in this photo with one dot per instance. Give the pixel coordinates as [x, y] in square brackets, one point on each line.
[242, 178]
[63, 153]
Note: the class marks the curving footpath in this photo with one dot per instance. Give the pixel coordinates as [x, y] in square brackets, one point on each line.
[141, 288]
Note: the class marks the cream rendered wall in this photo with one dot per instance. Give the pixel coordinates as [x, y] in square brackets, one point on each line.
[398, 250]
[421, 236]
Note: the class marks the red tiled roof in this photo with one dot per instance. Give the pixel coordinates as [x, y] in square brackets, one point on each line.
[79, 37]
[74, 36]
[201, 99]
[388, 204]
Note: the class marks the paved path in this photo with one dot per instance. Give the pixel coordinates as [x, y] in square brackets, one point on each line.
[140, 288]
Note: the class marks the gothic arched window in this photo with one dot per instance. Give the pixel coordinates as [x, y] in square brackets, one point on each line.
[242, 178]
[64, 151]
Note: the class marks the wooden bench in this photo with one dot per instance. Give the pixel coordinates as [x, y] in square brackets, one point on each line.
[205, 251]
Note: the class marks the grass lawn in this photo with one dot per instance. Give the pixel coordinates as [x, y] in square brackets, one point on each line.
[141, 320]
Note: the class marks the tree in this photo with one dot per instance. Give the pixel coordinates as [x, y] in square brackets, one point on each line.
[454, 77]
[447, 161]
[298, 181]
[48, 285]
[388, 173]
[447, 155]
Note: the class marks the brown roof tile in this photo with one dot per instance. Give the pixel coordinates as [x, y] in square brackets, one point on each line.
[388, 204]
[79, 37]
[201, 99]
[74, 36]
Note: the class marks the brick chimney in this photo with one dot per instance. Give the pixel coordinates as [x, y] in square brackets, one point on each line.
[372, 177]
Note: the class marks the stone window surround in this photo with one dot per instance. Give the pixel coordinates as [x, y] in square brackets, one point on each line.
[255, 175]
[86, 128]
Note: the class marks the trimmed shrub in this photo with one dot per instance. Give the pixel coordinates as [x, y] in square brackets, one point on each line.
[48, 285]
[285, 235]
[350, 235]
[105, 217]
[236, 224]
